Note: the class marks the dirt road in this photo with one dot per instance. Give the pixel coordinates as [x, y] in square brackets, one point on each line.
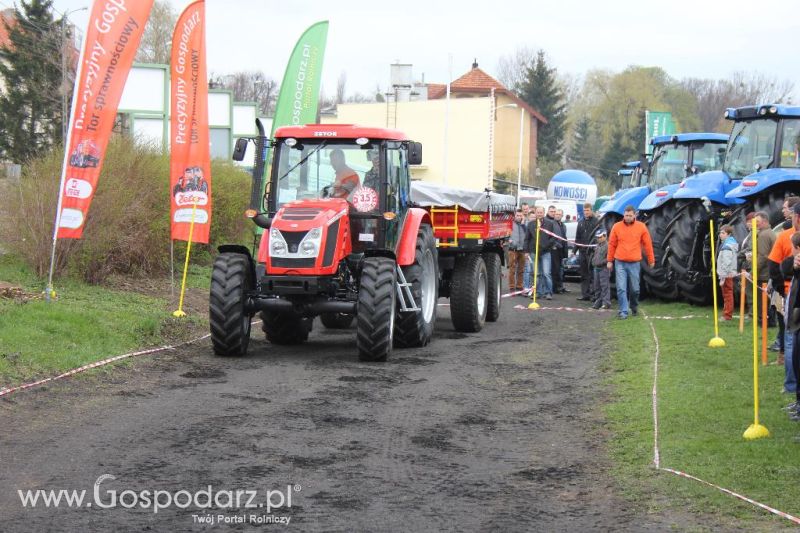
[499, 430]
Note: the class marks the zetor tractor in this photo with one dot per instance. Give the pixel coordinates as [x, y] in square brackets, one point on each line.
[675, 158]
[344, 241]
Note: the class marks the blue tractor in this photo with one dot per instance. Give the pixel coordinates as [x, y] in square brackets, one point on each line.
[632, 191]
[764, 154]
[675, 158]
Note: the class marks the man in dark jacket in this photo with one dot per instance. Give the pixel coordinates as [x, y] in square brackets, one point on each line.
[544, 286]
[583, 235]
[559, 253]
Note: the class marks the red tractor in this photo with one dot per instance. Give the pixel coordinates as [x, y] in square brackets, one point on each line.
[344, 239]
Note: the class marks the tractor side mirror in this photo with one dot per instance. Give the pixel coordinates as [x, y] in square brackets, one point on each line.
[414, 153]
[239, 149]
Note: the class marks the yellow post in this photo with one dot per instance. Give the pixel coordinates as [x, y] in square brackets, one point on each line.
[717, 341]
[763, 324]
[179, 313]
[742, 297]
[533, 304]
[756, 430]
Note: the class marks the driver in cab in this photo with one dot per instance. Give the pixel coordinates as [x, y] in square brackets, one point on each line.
[346, 178]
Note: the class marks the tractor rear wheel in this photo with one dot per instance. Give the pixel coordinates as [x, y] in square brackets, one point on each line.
[285, 328]
[377, 308]
[336, 320]
[416, 328]
[660, 279]
[771, 202]
[231, 278]
[468, 293]
[691, 277]
[494, 277]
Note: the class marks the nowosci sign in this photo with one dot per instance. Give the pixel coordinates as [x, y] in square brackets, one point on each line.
[572, 185]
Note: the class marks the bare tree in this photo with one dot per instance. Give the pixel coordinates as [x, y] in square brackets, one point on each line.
[512, 69]
[156, 43]
[250, 86]
[341, 87]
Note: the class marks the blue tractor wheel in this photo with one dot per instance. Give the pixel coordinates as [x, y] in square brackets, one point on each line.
[687, 235]
[660, 280]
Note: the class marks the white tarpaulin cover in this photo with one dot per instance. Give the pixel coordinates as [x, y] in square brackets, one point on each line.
[428, 194]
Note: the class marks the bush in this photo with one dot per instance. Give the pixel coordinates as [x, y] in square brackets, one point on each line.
[127, 228]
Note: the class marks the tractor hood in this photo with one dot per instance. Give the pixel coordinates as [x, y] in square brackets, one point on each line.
[658, 198]
[712, 185]
[622, 198]
[307, 237]
[764, 179]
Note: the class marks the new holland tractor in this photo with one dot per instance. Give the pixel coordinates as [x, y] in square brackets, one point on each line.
[633, 190]
[763, 154]
[675, 158]
[344, 240]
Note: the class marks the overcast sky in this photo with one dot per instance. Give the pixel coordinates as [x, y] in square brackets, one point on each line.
[698, 38]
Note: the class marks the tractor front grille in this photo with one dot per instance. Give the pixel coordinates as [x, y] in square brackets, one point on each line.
[300, 213]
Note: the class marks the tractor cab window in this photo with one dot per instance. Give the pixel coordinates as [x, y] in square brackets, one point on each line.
[319, 169]
[790, 147]
[668, 166]
[751, 147]
[398, 178]
[708, 156]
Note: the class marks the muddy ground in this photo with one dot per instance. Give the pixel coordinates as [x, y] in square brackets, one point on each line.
[495, 431]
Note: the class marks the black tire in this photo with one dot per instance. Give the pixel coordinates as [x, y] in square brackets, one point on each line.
[229, 321]
[692, 279]
[416, 328]
[377, 307]
[285, 328]
[660, 279]
[336, 320]
[769, 201]
[494, 278]
[468, 293]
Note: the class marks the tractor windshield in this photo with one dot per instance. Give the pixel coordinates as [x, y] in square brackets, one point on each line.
[790, 147]
[668, 166]
[311, 169]
[751, 147]
[707, 156]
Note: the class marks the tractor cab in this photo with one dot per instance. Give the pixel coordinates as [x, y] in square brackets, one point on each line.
[676, 157]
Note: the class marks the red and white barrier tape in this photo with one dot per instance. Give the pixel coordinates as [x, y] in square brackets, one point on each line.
[560, 238]
[657, 453]
[84, 368]
[749, 278]
[563, 308]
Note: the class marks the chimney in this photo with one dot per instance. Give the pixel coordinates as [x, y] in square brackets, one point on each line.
[475, 63]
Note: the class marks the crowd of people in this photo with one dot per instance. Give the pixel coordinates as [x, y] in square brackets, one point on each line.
[777, 258]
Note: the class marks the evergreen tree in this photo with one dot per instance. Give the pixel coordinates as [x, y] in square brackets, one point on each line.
[616, 154]
[584, 150]
[30, 109]
[541, 90]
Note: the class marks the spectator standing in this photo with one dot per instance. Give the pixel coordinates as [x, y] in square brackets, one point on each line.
[544, 287]
[583, 235]
[780, 251]
[602, 276]
[527, 273]
[516, 253]
[726, 269]
[791, 266]
[628, 238]
[559, 253]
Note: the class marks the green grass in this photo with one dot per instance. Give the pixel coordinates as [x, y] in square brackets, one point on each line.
[705, 399]
[85, 323]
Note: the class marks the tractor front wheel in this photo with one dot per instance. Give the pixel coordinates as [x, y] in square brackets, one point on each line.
[685, 252]
[285, 328]
[377, 303]
[229, 320]
[416, 328]
[660, 279]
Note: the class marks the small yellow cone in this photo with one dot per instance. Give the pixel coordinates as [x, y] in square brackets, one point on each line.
[756, 431]
[178, 314]
[533, 305]
[716, 342]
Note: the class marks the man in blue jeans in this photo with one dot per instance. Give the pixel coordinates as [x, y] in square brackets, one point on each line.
[544, 287]
[628, 238]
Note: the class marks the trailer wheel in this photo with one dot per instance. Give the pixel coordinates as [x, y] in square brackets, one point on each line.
[229, 320]
[377, 303]
[285, 328]
[468, 293]
[416, 329]
[691, 278]
[336, 320]
[494, 277]
[660, 279]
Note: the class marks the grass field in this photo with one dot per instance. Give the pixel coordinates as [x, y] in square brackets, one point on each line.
[705, 400]
[85, 323]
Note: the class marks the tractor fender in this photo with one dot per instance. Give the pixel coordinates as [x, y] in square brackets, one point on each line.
[658, 198]
[406, 248]
[239, 249]
[765, 179]
[623, 198]
[712, 185]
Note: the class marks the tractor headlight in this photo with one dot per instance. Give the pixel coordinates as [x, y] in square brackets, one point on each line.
[277, 244]
[278, 248]
[309, 246]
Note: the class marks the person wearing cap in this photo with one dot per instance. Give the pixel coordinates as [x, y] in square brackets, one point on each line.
[346, 178]
[628, 237]
[602, 276]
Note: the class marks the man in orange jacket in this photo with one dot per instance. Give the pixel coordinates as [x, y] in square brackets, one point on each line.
[625, 244]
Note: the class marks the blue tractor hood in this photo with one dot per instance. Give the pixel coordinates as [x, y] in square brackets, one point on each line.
[713, 185]
[623, 198]
[658, 198]
[763, 179]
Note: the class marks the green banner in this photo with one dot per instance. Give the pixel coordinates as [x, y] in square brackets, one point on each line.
[657, 123]
[299, 95]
